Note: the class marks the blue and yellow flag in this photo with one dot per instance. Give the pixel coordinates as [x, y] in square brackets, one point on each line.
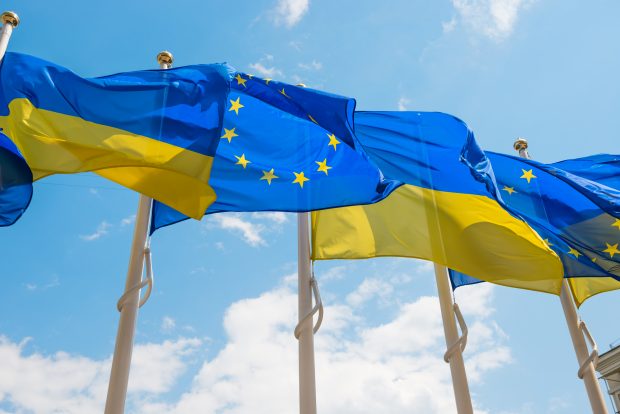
[153, 131]
[575, 214]
[442, 213]
[287, 148]
[15, 183]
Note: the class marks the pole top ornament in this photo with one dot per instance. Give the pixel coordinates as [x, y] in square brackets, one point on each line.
[165, 58]
[520, 144]
[9, 17]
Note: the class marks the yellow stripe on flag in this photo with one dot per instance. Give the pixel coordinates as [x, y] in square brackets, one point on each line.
[585, 287]
[468, 233]
[55, 143]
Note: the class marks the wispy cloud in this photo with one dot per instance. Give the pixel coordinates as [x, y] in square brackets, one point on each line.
[495, 19]
[289, 12]
[275, 216]
[128, 220]
[403, 103]
[101, 231]
[168, 324]
[314, 65]
[251, 232]
[266, 71]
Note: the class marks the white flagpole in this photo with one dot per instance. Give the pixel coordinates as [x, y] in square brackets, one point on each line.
[577, 329]
[304, 330]
[455, 344]
[130, 301]
[10, 20]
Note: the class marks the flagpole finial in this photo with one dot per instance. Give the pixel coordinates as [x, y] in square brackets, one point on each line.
[520, 144]
[165, 58]
[10, 17]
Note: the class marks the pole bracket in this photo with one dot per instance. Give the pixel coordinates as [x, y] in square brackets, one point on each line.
[148, 282]
[593, 357]
[318, 307]
[462, 341]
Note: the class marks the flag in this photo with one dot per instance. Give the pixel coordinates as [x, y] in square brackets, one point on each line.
[443, 213]
[286, 148]
[152, 131]
[15, 183]
[574, 214]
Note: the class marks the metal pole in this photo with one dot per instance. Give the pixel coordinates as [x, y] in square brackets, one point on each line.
[457, 366]
[307, 382]
[10, 20]
[119, 375]
[595, 395]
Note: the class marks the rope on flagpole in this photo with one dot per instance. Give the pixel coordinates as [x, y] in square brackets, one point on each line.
[462, 341]
[593, 357]
[148, 281]
[318, 307]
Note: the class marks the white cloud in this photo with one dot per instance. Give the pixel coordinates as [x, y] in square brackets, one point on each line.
[128, 220]
[495, 19]
[275, 216]
[101, 231]
[449, 27]
[361, 366]
[290, 12]
[168, 324]
[314, 65]
[403, 103]
[251, 232]
[266, 72]
[73, 384]
[369, 289]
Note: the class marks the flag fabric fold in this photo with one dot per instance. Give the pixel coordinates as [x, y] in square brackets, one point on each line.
[573, 213]
[15, 182]
[443, 213]
[286, 148]
[152, 131]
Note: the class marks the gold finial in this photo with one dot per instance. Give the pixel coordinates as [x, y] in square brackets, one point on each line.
[302, 85]
[10, 17]
[520, 144]
[165, 58]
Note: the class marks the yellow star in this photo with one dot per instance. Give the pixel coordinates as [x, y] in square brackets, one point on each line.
[240, 80]
[616, 224]
[283, 92]
[312, 119]
[548, 243]
[333, 141]
[528, 175]
[509, 190]
[300, 179]
[229, 134]
[574, 252]
[242, 161]
[235, 105]
[594, 259]
[267, 80]
[268, 175]
[323, 166]
[612, 249]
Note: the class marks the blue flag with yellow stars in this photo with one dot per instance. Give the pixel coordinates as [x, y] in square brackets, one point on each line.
[286, 148]
[574, 205]
[15, 182]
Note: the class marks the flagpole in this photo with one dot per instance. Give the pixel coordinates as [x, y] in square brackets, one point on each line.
[10, 20]
[304, 330]
[130, 301]
[455, 344]
[576, 329]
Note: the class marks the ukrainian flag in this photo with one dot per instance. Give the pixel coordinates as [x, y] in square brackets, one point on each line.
[153, 131]
[444, 213]
[574, 205]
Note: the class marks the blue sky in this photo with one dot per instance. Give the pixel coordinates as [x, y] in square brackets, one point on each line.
[216, 336]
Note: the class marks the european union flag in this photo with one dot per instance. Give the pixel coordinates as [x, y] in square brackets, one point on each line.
[286, 148]
[574, 208]
[15, 183]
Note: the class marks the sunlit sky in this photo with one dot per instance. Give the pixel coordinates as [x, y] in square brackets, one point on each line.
[217, 334]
